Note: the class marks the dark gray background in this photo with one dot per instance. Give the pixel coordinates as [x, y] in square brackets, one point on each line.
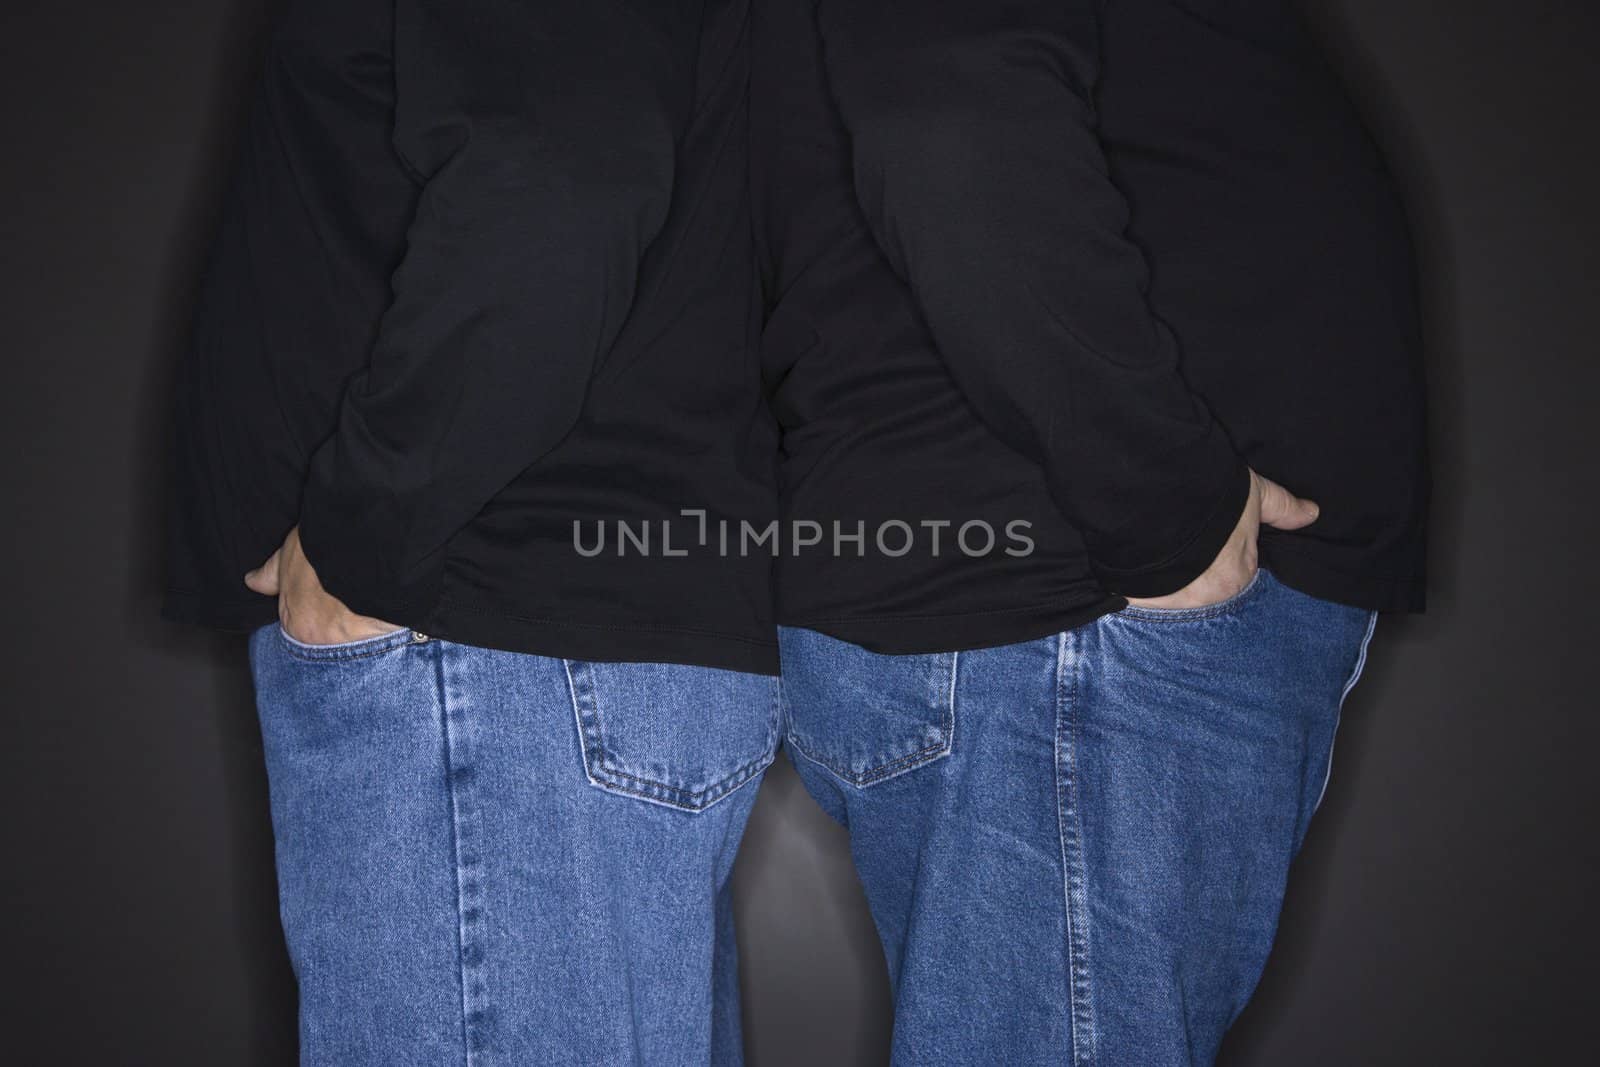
[1442, 912]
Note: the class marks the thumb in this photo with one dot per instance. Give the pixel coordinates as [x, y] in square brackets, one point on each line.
[1282, 509]
[264, 579]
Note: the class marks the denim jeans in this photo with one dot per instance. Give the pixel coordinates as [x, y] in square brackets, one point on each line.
[496, 858]
[1075, 848]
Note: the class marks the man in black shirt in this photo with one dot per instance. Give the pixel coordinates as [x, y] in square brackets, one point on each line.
[1090, 283]
[483, 283]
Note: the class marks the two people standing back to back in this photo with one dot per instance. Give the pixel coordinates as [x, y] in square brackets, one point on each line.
[1012, 410]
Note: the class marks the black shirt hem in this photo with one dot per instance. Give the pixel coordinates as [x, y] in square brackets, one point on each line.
[1295, 566]
[1197, 553]
[204, 609]
[911, 635]
[472, 624]
[456, 620]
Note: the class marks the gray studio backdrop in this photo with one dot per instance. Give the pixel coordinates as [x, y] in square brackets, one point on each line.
[1442, 911]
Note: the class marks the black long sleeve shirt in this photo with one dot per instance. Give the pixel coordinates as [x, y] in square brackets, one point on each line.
[876, 432]
[1078, 263]
[483, 277]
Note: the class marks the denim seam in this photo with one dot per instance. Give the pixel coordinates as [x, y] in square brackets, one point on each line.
[469, 887]
[1338, 711]
[664, 793]
[910, 761]
[950, 704]
[1081, 1005]
[361, 648]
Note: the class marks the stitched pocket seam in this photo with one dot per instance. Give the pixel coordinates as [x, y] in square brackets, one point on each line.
[900, 764]
[1231, 605]
[603, 773]
[361, 648]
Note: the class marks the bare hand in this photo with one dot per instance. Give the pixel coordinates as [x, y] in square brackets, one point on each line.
[1235, 565]
[308, 612]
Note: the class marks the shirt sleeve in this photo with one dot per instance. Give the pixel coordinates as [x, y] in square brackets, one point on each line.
[977, 163]
[310, 226]
[544, 137]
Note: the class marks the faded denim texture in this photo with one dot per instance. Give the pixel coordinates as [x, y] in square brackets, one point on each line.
[1075, 848]
[497, 858]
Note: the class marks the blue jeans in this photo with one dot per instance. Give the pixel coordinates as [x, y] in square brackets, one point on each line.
[495, 858]
[1075, 848]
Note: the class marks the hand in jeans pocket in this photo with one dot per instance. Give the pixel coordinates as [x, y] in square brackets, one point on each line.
[1235, 565]
[307, 612]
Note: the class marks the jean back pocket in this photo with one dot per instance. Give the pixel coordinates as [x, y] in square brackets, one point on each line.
[671, 733]
[865, 716]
